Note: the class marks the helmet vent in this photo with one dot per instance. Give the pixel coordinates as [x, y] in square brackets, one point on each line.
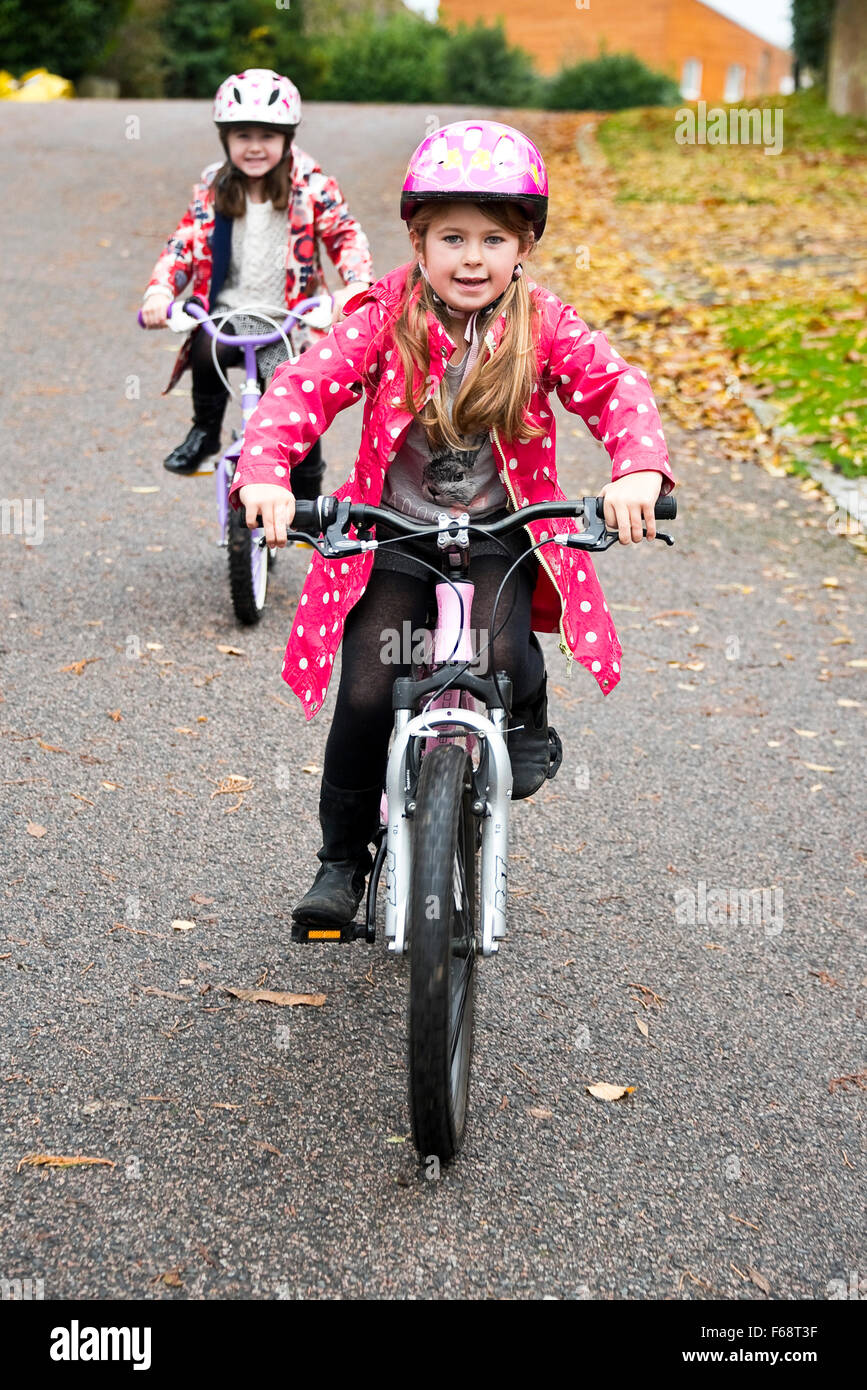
[473, 137]
[237, 94]
[274, 95]
[505, 155]
[440, 150]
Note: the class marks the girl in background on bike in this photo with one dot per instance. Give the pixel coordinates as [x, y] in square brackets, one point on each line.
[456, 354]
[251, 236]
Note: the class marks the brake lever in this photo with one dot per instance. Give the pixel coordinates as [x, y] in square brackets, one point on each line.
[596, 535]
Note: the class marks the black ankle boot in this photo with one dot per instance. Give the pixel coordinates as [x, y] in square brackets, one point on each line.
[203, 439]
[535, 750]
[349, 821]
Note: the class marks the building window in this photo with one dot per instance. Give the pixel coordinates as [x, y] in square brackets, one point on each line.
[734, 88]
[690, 83]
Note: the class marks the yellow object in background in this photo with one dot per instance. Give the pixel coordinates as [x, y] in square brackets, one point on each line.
[36, 85]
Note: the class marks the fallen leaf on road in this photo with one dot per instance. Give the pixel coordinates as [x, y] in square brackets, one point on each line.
[758, 1279]
[274, 996]
[269, 1148]
[172, 1278]
[36, 830]
[223, 1105]
[229, 651]
[180, 925]
[50, 747]
[857, 1079]
[144, 489]
[860, 663]
[78, 666]
[849, 704]
[602, 1090]
[830, 582]
[818, 767]
[311, 767]
[807, 733]
[540, 1114]
[642, 1026]
[649, 997]
[823, 977]
[115, 714]
[58, 1161]
[166, 994]
[112, 786]
[202, 899]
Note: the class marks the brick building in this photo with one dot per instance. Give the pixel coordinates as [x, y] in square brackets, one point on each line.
[710, 56]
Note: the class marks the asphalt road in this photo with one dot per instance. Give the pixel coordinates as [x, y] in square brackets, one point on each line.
[264, 1152]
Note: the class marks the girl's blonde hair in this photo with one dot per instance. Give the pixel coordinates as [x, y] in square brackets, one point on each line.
[496, 391]
[230, 184]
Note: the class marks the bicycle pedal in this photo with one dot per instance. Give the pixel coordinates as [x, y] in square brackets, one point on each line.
[354, 931]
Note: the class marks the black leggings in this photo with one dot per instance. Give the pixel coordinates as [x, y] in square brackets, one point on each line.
[205, 378]
[306, 476]
[357, 749]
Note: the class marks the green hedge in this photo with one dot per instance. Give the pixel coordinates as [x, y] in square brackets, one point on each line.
[184, 48]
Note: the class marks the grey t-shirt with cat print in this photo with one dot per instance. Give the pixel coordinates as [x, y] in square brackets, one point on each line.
[423, 481]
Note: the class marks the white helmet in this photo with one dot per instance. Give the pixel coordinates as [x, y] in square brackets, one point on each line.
[257, 96]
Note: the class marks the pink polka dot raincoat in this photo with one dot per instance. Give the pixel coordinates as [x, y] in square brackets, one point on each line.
[359, 357]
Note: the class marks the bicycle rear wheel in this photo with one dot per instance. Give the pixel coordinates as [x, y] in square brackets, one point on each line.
[442, 951]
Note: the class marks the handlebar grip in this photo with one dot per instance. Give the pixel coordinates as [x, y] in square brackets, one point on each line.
[306, 516]
[665, 509]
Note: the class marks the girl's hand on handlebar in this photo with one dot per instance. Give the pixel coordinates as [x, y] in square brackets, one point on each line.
[275, 505]
[343, 295]
[154, 311]
[629, 501]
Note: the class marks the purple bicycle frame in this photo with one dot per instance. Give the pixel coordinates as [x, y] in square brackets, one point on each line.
[250, 395]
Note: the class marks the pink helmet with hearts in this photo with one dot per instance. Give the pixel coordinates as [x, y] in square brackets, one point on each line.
[480, 162]
[257, 96]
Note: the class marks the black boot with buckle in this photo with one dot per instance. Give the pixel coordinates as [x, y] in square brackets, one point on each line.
[535, 750]
[203, 439]
[349, 821]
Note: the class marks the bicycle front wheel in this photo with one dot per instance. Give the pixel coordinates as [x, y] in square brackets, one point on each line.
[442, 951]
[248, 571]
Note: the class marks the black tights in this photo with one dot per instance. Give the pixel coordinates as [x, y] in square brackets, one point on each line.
[306, 476]
[205, 377]
[357, 749]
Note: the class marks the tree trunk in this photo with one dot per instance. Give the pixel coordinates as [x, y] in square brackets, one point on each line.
[847, 65]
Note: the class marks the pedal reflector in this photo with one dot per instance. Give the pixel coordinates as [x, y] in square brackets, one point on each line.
[324, 935]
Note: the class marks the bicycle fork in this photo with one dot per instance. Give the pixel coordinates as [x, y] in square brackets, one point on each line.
[492, 807]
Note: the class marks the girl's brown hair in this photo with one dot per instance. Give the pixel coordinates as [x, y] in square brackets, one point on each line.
[230, 196]
[497, 390]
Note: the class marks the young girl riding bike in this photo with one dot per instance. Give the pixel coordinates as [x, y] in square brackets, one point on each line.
[456, 354]
[250, 236]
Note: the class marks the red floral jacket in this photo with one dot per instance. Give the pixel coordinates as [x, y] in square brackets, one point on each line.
[359, 357]
[316, 212]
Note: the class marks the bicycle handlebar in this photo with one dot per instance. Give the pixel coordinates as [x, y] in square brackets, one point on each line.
[315, 517]
[192, 309]
[330, 518]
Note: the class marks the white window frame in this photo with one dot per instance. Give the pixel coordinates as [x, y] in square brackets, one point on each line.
[736, 75]
[690, 84]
